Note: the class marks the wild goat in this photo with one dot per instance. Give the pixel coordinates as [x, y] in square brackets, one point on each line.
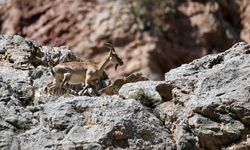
[82, 72]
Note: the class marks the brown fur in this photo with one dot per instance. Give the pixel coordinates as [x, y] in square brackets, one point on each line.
[82, 72]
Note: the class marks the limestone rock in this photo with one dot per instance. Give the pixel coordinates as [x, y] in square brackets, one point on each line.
[211, 95]
[149, 93]
[109, 122]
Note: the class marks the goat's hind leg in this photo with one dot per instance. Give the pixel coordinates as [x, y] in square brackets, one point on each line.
[86, 84]
[66, 78]
[70, 89]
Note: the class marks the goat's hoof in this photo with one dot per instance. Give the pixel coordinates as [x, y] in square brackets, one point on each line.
[81, 93]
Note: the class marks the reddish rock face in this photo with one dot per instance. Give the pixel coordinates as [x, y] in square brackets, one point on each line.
[151, 37]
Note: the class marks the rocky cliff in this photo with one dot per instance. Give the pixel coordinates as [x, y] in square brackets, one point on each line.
[201, 105]
[151, 36]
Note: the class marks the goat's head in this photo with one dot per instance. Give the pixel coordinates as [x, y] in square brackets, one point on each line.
[113, 57]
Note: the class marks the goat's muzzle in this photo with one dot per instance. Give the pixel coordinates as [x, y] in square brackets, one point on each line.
[118, 64]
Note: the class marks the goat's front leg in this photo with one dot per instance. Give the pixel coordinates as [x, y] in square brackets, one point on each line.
[94, 92]
[88, 84]
[66, 78]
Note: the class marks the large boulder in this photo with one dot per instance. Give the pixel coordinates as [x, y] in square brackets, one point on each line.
[104, 122]
[211, 98]
[148, 93]
[206, 104]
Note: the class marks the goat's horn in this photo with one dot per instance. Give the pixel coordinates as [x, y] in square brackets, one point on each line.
[110, 46]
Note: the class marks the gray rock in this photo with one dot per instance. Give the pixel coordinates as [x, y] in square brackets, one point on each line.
[213, 134]
[26, 54]
[20, 87]
[149, 93]
[7, 136]
[15, 86]
[103, 122]
[211, 94]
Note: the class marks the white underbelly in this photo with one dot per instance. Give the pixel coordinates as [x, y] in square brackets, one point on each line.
[77, 79]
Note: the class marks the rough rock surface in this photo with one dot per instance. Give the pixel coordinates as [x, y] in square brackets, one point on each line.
[211, 99]
[152, 38]
[104, 122]
[149, 93]
[201, 105]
